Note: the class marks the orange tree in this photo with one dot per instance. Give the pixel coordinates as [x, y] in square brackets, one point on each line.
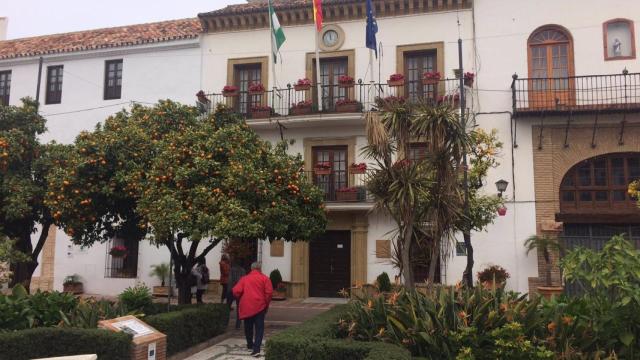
[24, 163]
[183, 182]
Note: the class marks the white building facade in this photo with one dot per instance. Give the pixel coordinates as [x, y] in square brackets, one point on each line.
[549, 78]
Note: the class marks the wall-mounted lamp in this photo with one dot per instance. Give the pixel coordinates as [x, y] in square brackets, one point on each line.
[501, 185]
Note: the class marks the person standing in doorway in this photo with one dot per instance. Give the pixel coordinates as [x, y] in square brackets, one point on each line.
[224, 276]
[201, 274]
[254, 291]
[237, 272]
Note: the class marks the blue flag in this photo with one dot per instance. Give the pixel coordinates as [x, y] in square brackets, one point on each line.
[372, 28]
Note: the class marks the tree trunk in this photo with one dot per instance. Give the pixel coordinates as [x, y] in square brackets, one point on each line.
[434, 258]
[407, 237]
[181, 272]
[23, 271]
[467, 275]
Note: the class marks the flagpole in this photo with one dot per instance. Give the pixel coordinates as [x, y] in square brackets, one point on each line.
[273, 53]
[318, 85]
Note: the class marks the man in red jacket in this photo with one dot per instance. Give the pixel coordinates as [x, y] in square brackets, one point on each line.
[254, 291]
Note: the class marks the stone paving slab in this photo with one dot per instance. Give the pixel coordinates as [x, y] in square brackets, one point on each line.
[230, 349]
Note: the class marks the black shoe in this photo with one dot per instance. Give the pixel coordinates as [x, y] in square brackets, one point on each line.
[250, 347]
[256, 354]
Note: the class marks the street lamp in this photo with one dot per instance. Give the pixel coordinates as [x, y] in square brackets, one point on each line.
[501, 185]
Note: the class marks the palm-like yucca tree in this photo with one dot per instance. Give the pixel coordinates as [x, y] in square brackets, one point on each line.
[423, 195]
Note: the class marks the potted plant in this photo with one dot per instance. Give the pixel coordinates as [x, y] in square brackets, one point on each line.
[72, 284]
[322, 168]
[301, 108]
[396, 80]
[431, 77]
[502, 210]
[468, 79]
[451, 99]
[161, 271]
[493, 277]
[347, 106]
[345, 81]
[347, 194]
[279, 288]
[260, 111]
[302, 84]
[230, 91]
[256, 89]
[119, 251]
[360, 168]
[545, 244]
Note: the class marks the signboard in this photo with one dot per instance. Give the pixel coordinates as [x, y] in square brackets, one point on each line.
[133, 327]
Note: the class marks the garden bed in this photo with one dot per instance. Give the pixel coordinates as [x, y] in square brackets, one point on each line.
[317, 339]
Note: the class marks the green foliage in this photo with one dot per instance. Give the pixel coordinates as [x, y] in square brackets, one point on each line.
[161, 271]
[316, 339]
[190, 325]
[89, 312]
[276, 278]
[23, 311]
[384, 283]
[137, 298]
[50, 342]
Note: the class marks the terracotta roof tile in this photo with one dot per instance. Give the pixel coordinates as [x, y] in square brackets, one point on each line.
[101, 38]
[259, 6]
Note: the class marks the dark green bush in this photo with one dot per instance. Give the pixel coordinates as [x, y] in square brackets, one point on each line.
[49, 342]
[384, 284]
[276, 278]
[316, 339]
[190, 325]
[137, 298]
[23, 311]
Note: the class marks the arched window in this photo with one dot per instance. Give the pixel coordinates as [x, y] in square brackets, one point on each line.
[599, 185]
[550, 67]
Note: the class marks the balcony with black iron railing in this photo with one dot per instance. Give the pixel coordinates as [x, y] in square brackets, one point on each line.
[614, 93]
[346, 186]
[355, 98]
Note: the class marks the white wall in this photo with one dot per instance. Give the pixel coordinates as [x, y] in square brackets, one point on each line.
[4, 23]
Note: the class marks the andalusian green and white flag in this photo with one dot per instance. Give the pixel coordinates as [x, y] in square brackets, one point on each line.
[277, 34]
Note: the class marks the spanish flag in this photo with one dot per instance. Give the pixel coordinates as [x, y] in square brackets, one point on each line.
[317, 14]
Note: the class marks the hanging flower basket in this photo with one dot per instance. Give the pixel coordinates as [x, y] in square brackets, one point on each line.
[302, 85]
[256, 89]
[502, 211]
[431, 78]
[118, 251]
[230, 91]
[360, 168]
[301, 108]
[347, 106]
[347, 194]
[468, 79]
[345, 81]
[260, 112]
[396, 80]
[322, 168]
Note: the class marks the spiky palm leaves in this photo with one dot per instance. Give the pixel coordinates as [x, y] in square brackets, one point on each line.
[421, 195]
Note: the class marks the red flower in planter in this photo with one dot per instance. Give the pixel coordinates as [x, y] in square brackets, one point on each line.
[432, 75]
[348, 189]
[323, 165]
[118, 251]
[396, 77]
[229, 89]
[346, 102]
[469, 76]
[345, 79]
[303, 104]
[359, 167]
[256, 87]
[303, 82]
[261, 108]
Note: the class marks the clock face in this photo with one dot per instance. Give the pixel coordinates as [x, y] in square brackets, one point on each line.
[330, 38]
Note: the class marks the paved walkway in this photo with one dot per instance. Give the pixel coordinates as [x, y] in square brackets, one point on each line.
[281, 315]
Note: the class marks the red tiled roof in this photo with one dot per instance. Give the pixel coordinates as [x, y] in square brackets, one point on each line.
[101, 38]
[258, 6]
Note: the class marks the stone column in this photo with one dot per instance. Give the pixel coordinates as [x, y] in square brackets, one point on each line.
[359, 233]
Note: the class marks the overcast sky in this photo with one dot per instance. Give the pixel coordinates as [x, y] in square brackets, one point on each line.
[42, 17]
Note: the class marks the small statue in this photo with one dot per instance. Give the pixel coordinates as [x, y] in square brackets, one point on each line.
[617, 47]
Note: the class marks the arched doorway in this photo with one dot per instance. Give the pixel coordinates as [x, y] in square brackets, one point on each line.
[595, 204]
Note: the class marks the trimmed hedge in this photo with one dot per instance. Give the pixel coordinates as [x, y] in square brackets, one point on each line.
[189, 325]
[48, 342]
[316, 340]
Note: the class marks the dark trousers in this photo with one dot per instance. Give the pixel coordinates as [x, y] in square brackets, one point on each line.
[230, 300]
[256, 321]
[199, 294]
[223, 296]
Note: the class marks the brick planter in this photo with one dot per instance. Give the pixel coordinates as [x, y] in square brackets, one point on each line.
[348, 108]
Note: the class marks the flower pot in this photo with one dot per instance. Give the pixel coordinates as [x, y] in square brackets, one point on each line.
[231, 94]
[346, 84]
[550, 291]
[161, 291]
[73, 288]
[322, 171]
[260, 114]
[346, 195]
[300, 111]
[348, 108]
[395, 82]
[468, 82]
[301, 87]
[357, 170]
[430, 81]
[502, 211]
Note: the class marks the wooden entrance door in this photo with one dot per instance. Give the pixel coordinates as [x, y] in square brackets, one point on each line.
[551, 69]
[330, 264]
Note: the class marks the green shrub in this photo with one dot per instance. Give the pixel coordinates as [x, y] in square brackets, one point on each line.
[276, 278]
[316, 339]
[23, 311]
[89, 312]
[189, 325]
[384, 283]
[494, 273]
[137, 298]
[49, 342]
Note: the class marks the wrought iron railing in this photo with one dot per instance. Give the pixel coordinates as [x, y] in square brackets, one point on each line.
[612, 93]
[341, 185]
[291, 102]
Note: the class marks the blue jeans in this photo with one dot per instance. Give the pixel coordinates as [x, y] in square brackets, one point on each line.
[256, 320]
